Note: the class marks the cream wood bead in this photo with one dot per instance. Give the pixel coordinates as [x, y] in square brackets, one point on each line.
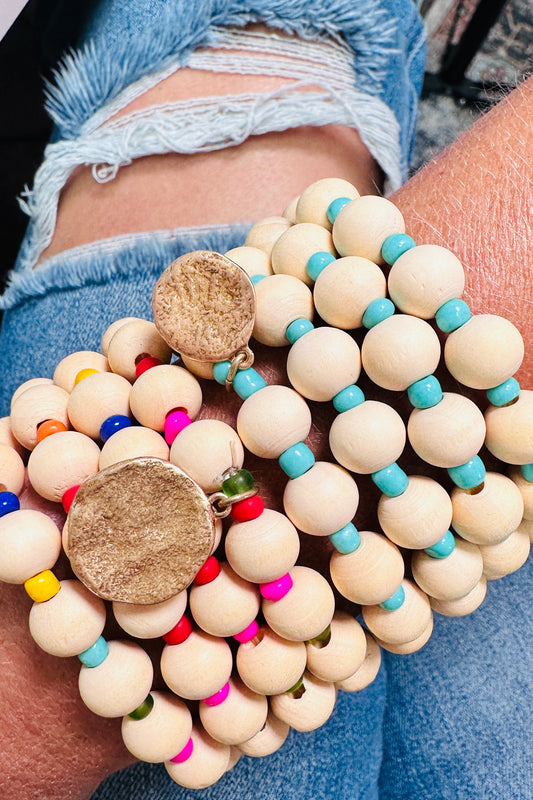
[316, 199]
[311, 710]
[505, 557]
[61, 461]
[510, 430]
[451, 577]
[262, 549]
[7, 438]
[31, 543]
[265, 233]
[148, 622]
[289, 212]
[273, 419]
[464, 605]
[363, 225]
[295, 247]
[67, 369]
[322, 500]
[29, 385]
[251, 259]
[96, 398]
[69, 622]
[235, 756]
[162, 389]
[423, 278]
[405, 648]
[205, 450]
[226, 605]
[419, 517]
[345, 288]
[526, 490]
[242, 714]
[448, 434]
[64, 538]
[491, 515]
[133, 442]
[322, 363]
[372, 573]
[368, 670]
[368, 437]
[163, 733]
[198, 667]
[484, 352]
[110, 332]
[202, 369]
[269, 664]
[280, 300]
[11, 469]
[526, 526]
[218, 535]
[37, 404]
[120, 683]
[132, 340]
[343, 654]
[269, 739]
[399, 351]
[403, 624]
[305, 611]
[208, 762]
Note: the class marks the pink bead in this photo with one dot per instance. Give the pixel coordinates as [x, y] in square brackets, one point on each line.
[175, 422]
[184, 754]
[217, 698]
[276, 590]
[248, 633]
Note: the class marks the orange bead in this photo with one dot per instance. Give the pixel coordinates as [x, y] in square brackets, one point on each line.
[48, 427]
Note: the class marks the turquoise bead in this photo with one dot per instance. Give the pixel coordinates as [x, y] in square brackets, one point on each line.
[504, 393]
[395, 245]
[443, 548]
[452, 315]
[469, 475]
[297, 328]
[348, 398]
[335, 207]
[392, 480]
[317, 263]
[425, 393]
[527, 472]
[347, 540]
[377, 311]
[395, 601]
[256, 278]
[220, 371]
[297, 460]
[248, 381]
[96, 654]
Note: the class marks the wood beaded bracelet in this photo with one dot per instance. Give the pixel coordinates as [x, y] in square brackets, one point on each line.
[145, 509]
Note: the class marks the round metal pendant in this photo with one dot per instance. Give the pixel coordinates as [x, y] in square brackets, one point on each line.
[139, 531]
[204, 306]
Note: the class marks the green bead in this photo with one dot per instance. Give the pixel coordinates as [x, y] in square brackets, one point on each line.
[144, 709]
[237, 483]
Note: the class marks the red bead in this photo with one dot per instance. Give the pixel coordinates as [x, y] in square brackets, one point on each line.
[68, 497]
[146, 363]
[251, 508]
[180, 632]
[208, 572]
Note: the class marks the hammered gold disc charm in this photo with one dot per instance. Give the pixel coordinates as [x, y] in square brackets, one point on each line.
[139, 531]
[204, 306]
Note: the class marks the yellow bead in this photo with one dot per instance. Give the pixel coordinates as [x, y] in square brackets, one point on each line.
[84, 373]
[43, 586]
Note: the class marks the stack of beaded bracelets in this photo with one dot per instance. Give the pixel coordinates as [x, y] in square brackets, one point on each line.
[300, 649]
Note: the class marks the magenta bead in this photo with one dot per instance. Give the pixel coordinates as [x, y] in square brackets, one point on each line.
[175, 422]
[219, 697]
[248, 633]
[184, 754]
[276, 590]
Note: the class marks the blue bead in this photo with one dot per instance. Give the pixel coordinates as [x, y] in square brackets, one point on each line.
[113, 424]
[395, 245]
[220, 371]
[395, 601]
[527, 472]
[297, 460]
[347, 540]
[335, 206]
[452, 315]
[248, 381]
[317, 263]
[425, 393]
[8, 502]
[256, 278]
[443, 548]
[469, 475]
[348, 398]
[504, 393]
[297, 328]
[377, 311]
[96, 654]
[392, 480]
